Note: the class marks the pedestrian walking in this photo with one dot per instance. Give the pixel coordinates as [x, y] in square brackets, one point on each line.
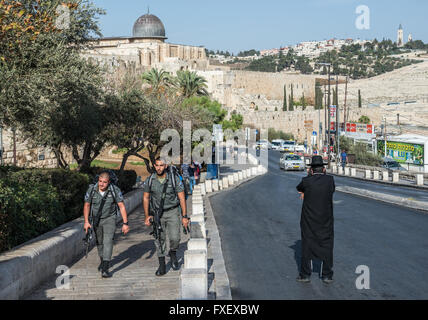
[317, 222]
[344, 159]
[163, 196]
[100, 211]
[191, 173]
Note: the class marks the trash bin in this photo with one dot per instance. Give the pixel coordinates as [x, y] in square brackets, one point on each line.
[212, 171]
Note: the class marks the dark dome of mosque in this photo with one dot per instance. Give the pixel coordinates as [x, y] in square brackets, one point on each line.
[148, 26]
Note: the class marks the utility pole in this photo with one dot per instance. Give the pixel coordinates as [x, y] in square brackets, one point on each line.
[329, 117]
[337, 116]
[344, 106]
[325, 116]
[384, 119]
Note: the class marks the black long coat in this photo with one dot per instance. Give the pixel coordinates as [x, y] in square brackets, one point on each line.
[317, 222]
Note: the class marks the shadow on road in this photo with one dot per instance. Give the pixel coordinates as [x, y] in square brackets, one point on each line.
[132, 254]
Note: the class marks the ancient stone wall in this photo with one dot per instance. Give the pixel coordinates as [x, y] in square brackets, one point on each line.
[25, 155]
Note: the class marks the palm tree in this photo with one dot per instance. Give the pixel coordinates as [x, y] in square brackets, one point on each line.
[159, 80]
[190, 84]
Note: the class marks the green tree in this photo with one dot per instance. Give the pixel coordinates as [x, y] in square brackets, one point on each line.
[159, 80]
[364, 119]
[48, 92]
[291, 100]
[284, 105]
[190, 84]
[359, 99]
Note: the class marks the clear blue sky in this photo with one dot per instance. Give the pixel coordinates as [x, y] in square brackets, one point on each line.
[236, 25]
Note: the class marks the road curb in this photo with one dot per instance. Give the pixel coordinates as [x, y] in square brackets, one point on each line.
[401, 201]
[388, 183]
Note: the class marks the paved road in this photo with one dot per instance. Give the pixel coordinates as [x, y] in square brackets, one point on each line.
[259, 227]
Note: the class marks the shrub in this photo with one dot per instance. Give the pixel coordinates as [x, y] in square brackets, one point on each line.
[26, 211]
[70, 186]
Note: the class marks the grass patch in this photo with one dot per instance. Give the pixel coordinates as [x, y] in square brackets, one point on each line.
[138, 164]
[120, 151]
[104, 164]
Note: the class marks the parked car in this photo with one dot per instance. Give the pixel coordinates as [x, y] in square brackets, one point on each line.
[290, 161]
[392, 165]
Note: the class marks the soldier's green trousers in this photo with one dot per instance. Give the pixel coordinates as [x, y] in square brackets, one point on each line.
[171, 223]
[105, 234]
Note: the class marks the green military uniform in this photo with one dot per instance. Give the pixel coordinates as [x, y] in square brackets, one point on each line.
[171, 218]
[107, 226]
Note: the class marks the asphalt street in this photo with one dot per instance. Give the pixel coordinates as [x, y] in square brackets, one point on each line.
[259, 225]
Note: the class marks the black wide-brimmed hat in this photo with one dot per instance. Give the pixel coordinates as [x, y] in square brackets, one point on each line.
[317, 162]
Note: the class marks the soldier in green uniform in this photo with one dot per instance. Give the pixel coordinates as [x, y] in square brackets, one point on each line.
[101, 200]
[172, 217]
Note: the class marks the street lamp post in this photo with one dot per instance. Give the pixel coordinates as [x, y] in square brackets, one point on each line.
[328, 105]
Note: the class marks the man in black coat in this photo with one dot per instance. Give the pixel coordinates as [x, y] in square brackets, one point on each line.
[317, 221]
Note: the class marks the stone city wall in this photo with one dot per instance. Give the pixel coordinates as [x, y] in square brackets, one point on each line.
[25, 155]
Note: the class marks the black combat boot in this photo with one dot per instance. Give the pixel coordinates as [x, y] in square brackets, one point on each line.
[162, 268]
[174, 261]
[105, 273]
[100, 267]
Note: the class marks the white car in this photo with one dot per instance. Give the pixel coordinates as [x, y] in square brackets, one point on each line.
[290, 161]
[288, 146]
[299, 148]
[264, 144]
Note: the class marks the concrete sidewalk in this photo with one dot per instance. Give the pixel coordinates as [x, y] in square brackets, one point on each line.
[133, 266]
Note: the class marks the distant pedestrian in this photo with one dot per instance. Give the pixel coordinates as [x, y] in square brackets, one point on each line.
[197, 171]
[317, 223]
[344, 158]
[191, 173]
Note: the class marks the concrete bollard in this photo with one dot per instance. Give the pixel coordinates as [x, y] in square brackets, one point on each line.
[197, 244]
[420, 179]
[220, 184]
[198, 217]
[231, 180]
[353, 172]
[254, 171]
[194, 284]
[375, 175]
[203, 190]
[248, 173]
[340, 171]
[225, 182]
[197, 230]
[385, 176]
[395, 177]
[197, 208]
[244, 174]
[195, 259]
[334, 169]
[235, 177]
[208, 186]
[215, 185]
[347, 171]
[240, 176]
[368, 174]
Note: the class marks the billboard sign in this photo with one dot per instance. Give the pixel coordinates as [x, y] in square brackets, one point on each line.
[359, 128]
[402, 152]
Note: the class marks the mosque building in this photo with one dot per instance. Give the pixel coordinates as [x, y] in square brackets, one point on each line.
[147, 49]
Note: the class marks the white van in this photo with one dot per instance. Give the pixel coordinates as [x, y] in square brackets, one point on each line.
[277, 144]
[288, 146]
